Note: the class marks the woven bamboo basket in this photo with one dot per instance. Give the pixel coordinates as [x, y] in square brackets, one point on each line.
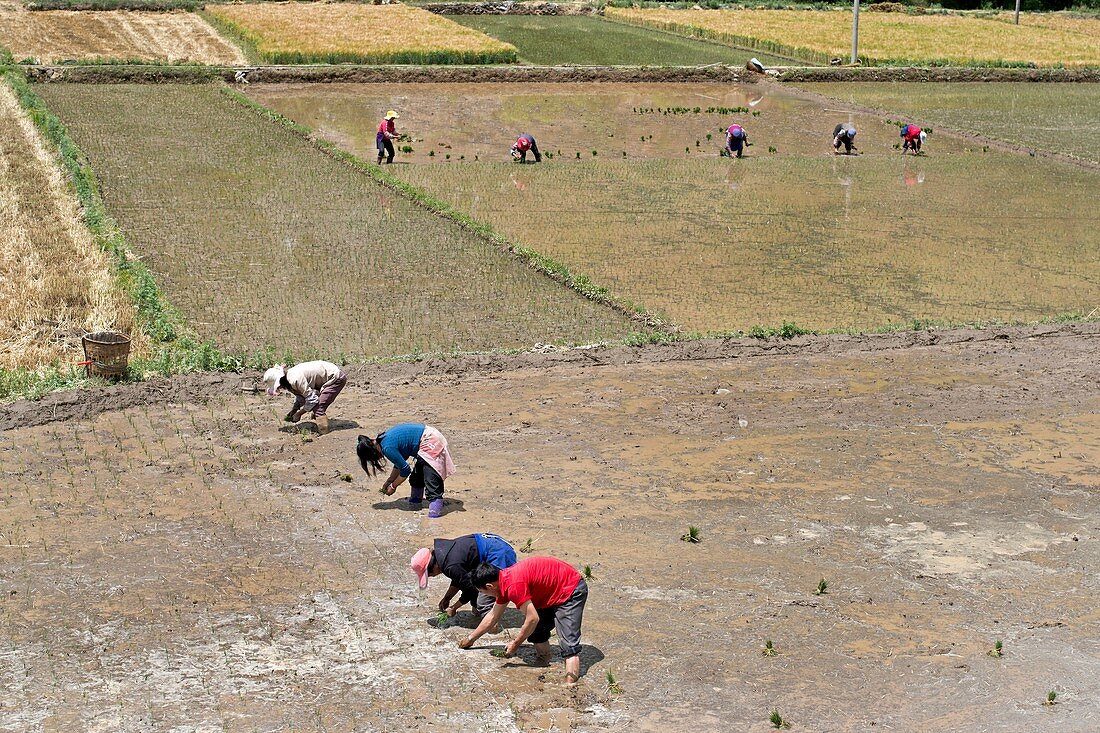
[106, 353]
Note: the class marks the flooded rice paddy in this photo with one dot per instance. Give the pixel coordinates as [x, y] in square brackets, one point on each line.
[789, 233]
[261, 240]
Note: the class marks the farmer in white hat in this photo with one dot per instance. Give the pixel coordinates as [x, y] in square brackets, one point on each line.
[314, 385]
[387, 133]
[523, 144]
[456, 559]
[844, 134]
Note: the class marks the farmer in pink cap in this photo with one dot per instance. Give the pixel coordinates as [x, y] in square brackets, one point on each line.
[550, 593]
[456, 559]
[522, 145]
[736, 139]
[400, 443]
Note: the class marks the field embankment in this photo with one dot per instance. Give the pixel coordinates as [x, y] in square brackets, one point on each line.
[309, 33]
[55, 282]
[1059, 119]
[51, 37]
[262, 241]
[885, 38]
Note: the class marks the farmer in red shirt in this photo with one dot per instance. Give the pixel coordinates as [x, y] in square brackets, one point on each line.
[387, 133]
[912, 138]
[520, 147]
[550, 593]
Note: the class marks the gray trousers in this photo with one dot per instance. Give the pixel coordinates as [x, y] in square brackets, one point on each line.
[566, 619]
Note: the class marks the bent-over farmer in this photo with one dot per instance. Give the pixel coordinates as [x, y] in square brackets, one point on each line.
[314, 384]
[912, 138]
[387, 133]
[550, 593]
[844, 134]
[456, 559]
[400, 443]
[520, 147]
[736, 139]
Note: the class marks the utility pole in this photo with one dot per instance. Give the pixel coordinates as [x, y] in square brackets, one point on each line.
[1017, 12]
[855, 29]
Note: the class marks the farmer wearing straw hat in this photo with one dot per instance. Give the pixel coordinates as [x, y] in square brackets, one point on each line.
[400, 443]
[458, 558]
[844, 134]
[520, 147]
[912, 138]
[736, 139]
[550, 593]
[387, 133]
[314, 384]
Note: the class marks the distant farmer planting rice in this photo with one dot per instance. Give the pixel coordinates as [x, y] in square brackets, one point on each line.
[736, 139]
[456, 559]
[314, 384]
[400, 443]
[550, 593]
[844, 134]
[387, 133]
[522, 144]
[912, 138]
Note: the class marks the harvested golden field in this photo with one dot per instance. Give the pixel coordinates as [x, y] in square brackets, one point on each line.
[1059, 21]
[290, 33]
[55, 282]
[885, 38]
[63, 35]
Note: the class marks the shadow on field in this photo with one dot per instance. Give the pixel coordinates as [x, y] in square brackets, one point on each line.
[512, 619]
[308, 426]
[449, 505]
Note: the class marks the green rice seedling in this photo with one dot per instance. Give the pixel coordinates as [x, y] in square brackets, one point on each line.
[769, 650]
[696, 143]
[431, 153]
[772, 149]
[448, 156]
[528, 546]
[441, 620]
[499, 653]
[777, 720]
[624, 153]
[406, 148]
[593, 153]
[708, 137]
[613, 686]
[687, 150]
[346, 477]
[578, 155]
[997, 650]
[1052, 697]
[587, 573]
[756, 113]
[691, 536]
[822, 587]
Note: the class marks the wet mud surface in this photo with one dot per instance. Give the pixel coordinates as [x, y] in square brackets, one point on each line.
[185, 564]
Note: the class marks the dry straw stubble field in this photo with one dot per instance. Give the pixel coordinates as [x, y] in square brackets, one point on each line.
[886, 38]
[63, 35]
[291, 33]
[55, 283]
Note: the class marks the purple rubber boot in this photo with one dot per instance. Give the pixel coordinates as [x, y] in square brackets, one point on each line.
[435, 509]
[416, 496]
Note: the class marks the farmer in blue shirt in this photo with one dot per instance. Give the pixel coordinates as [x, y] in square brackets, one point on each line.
[397, 445]
[456, 559]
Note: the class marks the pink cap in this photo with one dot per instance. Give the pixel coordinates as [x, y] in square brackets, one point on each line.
[420, 562]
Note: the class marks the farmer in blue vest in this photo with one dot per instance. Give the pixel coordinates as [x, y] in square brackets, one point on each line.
[458, 558]
[736, 140]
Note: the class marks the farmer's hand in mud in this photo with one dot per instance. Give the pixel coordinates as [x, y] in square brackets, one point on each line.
[292, 416]
[466, 643]
[511, 649]
[443, 603]
[452, 610]
[387, 489]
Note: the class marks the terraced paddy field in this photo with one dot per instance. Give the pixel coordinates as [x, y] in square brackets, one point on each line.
[261, 240]
[1056, 118]
[589, 40]
[798, 235]
[60, 35]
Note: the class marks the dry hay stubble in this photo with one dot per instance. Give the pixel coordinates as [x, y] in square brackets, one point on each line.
[63, 35]
[55, 282]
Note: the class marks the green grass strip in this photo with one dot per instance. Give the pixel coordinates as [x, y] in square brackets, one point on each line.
[547, 265]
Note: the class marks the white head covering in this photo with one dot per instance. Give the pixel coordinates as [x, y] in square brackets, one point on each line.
[923, 135]
[272, 377]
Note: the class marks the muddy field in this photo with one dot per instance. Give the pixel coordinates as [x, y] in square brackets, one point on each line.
[263, 241]
[52, 36]
[789, 233]
[191, 566]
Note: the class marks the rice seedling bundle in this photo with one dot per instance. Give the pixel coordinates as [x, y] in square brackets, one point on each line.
[291, 33]
[885, 38]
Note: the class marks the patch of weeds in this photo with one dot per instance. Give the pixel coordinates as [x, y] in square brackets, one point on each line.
[692, 536]
[613, 686]
[1052, 698]
[769, 650]
[997, 650]
[822, 587]
[777, 720]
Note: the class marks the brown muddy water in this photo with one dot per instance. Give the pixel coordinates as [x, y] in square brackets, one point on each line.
[962, 233]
